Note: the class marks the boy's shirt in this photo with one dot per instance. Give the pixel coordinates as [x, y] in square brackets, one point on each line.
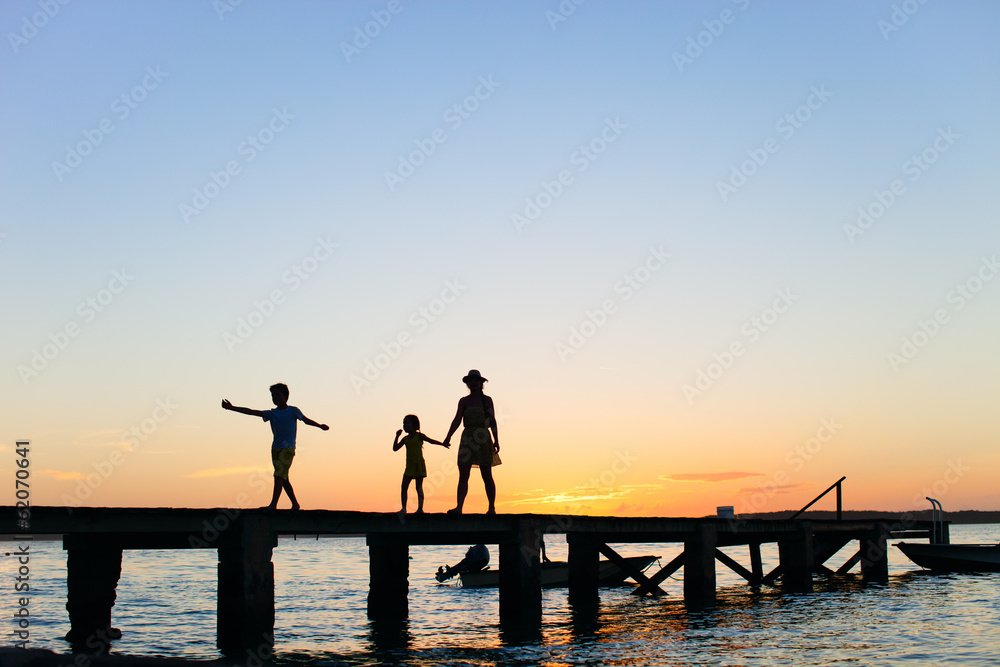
[283, 426]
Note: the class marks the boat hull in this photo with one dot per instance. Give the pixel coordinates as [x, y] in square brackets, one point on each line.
[556, 574]
[953, 557]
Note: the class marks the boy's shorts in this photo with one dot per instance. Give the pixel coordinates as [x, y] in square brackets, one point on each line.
[282, 461]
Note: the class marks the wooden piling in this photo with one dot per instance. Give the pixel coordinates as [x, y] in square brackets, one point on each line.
[388, 572]
[521, 576]
[699, 565]
[756, 564]
[245, 619]
[875, 554]
[584, 569]
[795, 556]
[93, 568]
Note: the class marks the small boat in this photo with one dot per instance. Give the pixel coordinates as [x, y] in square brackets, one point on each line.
[953, 557]
[555, 574]
[944, 557]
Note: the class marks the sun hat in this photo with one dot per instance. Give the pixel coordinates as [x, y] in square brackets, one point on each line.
[474, 375]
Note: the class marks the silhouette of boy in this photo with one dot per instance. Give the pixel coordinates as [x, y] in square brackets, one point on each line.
[282, 419]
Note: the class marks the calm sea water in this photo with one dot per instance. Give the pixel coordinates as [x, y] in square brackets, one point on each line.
[166, 607]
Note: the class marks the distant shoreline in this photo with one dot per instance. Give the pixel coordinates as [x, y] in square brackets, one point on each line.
[957, 516]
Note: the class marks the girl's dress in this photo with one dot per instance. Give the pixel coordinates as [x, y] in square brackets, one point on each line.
[414, 456]
[476, 446]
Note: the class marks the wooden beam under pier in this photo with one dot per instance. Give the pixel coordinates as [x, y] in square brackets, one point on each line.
[725, 559]
[661, 576]
[633, 572]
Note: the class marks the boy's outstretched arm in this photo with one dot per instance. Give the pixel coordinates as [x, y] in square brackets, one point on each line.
[306, 420]
[226, 405]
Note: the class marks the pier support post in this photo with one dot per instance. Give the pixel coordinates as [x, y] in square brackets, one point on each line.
[756, 564]
[875, 554]
[795, 555]
[245, 612]
[93, 567]
[584, 569]
[699, 565]
[521, 576]
[388, 572]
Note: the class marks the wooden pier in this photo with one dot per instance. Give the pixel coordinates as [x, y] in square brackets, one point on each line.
[95, 538]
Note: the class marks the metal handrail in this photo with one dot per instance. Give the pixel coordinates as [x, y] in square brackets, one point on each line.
[840, 499]
[937, 521]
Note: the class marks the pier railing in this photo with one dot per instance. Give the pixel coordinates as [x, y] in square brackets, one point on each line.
[840, 500]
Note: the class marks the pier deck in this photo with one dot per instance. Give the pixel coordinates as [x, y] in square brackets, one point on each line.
[95, 538]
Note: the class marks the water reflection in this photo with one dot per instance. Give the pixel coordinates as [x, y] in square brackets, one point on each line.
[516, 632]
[585, 617]
[389, 636]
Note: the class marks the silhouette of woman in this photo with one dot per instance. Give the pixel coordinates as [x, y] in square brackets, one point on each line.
[476, 447]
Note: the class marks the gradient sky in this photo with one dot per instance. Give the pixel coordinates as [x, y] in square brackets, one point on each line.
[696, 313]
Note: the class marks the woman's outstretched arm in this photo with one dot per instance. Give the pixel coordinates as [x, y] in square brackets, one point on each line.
[455, 422]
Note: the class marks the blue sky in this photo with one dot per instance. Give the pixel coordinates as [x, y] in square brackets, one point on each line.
[203, 83]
